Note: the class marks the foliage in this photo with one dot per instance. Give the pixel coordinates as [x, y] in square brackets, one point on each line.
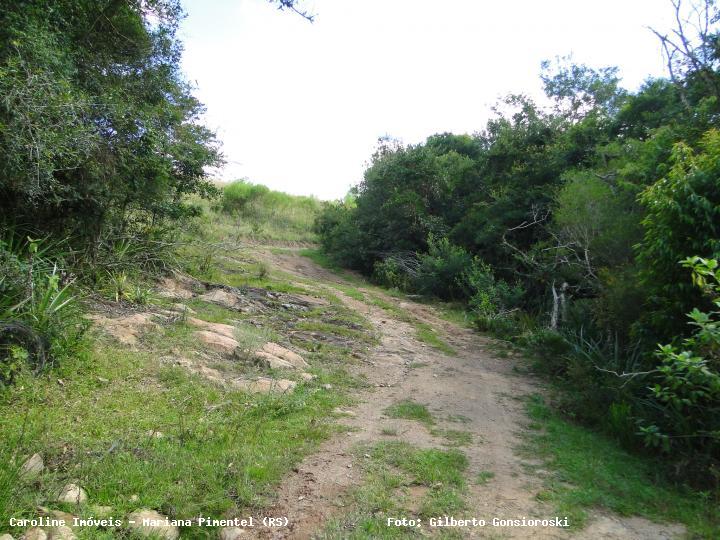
[589, 471]
[99, 132]
[441, 271]
[560, 228]
[39, 320]
[683, 218]
[685, 390]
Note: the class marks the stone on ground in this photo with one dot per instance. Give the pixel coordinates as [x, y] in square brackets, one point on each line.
[175, 289]
[73, 494]
[32, 467]
[127, 329]
[61, 532]
[273, 362]
[156, 527]
[36, 533]
[217, 342]
[6, 537]
[264, 385]
[278, 357]
[99, 511]
[222, 298]
[226, 330]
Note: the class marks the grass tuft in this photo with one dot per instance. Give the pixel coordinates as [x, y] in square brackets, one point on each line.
[410, 410]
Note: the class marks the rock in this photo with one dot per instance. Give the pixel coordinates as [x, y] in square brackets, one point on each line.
[61, 532]
[327, 386]
[154, 434]
[307, 376]
[273, 362]
[128, 329]
[219, 328]
[232, 533]
[32, 467]
[36, 533]
[134, 497]
[155, 525]
[175, 289]
[73, 494]
[286, 354]
[264, 385]
[217, 342]
[56, 514]
[69, 519]
[6, 537]
[222, 298]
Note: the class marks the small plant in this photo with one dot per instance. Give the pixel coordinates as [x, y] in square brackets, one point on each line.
[139, 295]
[483, 477]
[262, 270]
[14, 362]
[119, 283]
[207, 262]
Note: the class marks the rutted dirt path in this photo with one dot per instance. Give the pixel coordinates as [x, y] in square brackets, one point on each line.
[475, 385]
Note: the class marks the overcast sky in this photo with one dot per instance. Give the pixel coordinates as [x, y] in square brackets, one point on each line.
[300, 106]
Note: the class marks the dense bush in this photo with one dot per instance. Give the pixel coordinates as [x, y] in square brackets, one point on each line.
[103, 138]
[685, 386]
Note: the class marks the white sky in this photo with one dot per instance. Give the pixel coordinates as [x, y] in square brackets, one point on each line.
[299, 106]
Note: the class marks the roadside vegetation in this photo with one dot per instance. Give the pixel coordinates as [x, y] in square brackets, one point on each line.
[585, 231]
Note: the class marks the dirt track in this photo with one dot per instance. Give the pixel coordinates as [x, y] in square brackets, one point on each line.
[476, 385]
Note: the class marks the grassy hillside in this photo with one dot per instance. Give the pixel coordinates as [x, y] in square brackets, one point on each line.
[260, 213]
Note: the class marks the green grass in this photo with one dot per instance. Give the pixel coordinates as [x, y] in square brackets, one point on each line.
[483, 477]
[391, 470]
[410, 410]
[426, 334]
[591, 471]
[221, 449]
[259, 213]
[320, 258]
[454, 437]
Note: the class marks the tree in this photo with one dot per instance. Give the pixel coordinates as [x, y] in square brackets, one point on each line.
[99, 133]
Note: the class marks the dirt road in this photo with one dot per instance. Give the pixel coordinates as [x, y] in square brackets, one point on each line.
[475, 385]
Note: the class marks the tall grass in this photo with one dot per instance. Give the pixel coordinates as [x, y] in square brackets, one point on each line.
[270, 215]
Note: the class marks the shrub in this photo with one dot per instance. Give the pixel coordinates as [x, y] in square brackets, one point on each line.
[389, 273]
[440, 271]
[488, 296]
[684, 393]
[39, 314]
